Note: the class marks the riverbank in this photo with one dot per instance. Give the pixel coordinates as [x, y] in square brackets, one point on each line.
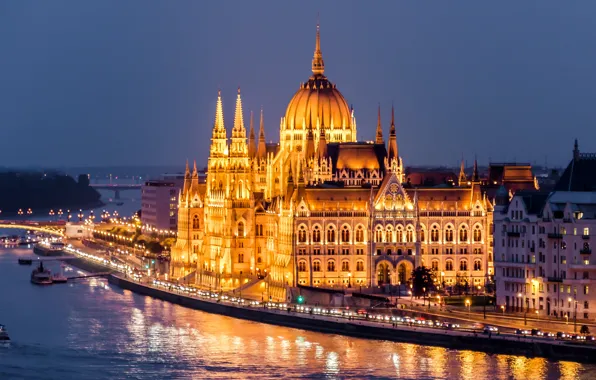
[362, 328]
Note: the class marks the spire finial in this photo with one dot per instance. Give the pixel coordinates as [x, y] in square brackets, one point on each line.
[379, 137]
[318, 65]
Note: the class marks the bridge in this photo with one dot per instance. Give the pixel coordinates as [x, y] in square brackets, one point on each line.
[116, 188]
[54, 228]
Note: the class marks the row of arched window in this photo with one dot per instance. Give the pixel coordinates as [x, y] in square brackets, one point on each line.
[330, 234]
[390, 235]
[316, 266]
[449, 234]
[463, 265]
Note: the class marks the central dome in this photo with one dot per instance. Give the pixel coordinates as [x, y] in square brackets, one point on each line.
[318, 102]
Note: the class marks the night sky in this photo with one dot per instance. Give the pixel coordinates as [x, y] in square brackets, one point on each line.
[135, 82]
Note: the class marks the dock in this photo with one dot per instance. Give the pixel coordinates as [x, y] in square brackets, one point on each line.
[90, 275]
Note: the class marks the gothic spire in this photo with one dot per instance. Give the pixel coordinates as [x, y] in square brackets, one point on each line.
[219, 137]
[322, 144]
[219, 119]
[318, 65]
[462, 174]
[379, 138]
[252, 149]
[238, 119]
[393, 153]
[475, 176]
[261, 147]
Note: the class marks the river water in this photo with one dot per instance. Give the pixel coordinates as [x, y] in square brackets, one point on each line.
[88, 329]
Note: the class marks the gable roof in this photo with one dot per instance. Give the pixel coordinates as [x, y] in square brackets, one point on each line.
[580, 174]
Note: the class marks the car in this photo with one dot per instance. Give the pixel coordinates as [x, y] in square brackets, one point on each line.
[550, 335]
[490, 329]
[361, 312]
[536, 332]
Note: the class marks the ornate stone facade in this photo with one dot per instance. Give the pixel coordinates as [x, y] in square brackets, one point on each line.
[322, 209]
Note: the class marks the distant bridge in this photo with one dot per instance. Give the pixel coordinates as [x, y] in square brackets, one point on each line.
[116, 188]
[54, 228]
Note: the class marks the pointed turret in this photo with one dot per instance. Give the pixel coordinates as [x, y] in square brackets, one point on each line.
[310, 143]
[392, 149]
[318, 65]
[187, 178]
[379, 138]
[219, 138]
[252, 147]
[194, 186]
[462, 174]
[238, 147]
[475, 176]
[322, 151]
[576, 150]
[262, 147]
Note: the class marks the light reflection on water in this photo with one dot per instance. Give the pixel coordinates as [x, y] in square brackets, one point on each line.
[90, 329]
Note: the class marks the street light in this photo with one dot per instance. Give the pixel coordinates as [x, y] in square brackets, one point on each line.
[574, 314]
[519, 295]
[468, 304]
[349, 280]
[503, 309]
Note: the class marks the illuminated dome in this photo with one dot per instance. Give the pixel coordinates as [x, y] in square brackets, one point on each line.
[318, 101]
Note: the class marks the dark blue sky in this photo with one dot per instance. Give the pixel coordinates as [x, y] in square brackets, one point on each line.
[135, 82]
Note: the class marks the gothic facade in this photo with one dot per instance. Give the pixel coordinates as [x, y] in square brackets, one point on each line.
[322, 209]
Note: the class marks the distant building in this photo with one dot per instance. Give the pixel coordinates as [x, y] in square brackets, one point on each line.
[542, 254]
[159, 203]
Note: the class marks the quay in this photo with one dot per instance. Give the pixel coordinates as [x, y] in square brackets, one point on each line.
[330, 321]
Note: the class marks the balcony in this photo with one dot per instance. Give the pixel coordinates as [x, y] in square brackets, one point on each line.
[586, 237]
[555, 235]
[554, 279]
[513, 234]
[586, 251]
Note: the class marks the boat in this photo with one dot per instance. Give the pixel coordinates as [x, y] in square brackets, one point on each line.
[60, 278]
[41, 276]
[49, 249]
[25, 261]
[3, 333]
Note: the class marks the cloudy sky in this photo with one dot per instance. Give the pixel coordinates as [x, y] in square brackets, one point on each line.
[135, 82]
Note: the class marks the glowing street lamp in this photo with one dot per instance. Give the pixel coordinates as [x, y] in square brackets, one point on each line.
[503, 309]
[468, 305]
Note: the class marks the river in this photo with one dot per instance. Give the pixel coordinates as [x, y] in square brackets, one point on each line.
[89, 329]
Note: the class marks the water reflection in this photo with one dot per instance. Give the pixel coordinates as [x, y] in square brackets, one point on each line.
[99, 329]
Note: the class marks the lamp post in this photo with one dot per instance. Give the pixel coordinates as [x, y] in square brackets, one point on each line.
[483, 302]
[519, 295]
[574, 314]
[503, 309]
[349, 280]
[423, 296]
[469, 306]
[398, 289]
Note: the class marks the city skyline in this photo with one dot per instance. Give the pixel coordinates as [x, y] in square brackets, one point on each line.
[145, 88]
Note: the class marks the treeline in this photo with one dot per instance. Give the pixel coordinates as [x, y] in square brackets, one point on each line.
[42, 191]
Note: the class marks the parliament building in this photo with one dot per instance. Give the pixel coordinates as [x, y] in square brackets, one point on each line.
[322, 209]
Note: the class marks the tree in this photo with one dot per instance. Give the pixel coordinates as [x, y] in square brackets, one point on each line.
[584, 330]
[423, 280]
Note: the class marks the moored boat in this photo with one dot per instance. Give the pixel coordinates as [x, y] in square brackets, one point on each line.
[3, 333]
[60, 278]
[49, 249]
[41, 276]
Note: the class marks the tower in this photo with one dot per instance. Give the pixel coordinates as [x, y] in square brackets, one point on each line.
[379, 137]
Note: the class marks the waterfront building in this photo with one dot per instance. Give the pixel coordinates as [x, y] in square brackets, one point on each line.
[320, 208]
[543, 256]
[159, 204]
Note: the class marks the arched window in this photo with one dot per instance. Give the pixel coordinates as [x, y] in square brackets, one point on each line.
[477, 265]
[316, 235]
[331, 235]
[449, 234]
[316, 266]
[331, 266]
[463, 265]
[359, 266]
[422, 235]
[400, 234]
[302, 234]
[389, 234]
[463, 234]
[345, 234]
[449, 265]
[434, 265]
[240, 229]
[359, 234]
[477, 234]
[434, 234]
[345, 266]
[409, 235]
[379, 234]
[302, 266]
[195, 222]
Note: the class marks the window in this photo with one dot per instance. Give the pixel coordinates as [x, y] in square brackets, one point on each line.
[463, 234]
[241, 229]
[302, 266]
[586, 231]
[463, 265]
[359, 251]
[359, 266]
[302, 234]
[316, 235]
[422, 235]
[345, 266]
[379, 234]
[400, 235]
[316, 251]
[477, 234]
[316, 266]
[345, 251]
[331, 235]
[241, 258]
[345, 234]
[389, 234]
[477, 265]
[586, 289]
[195, 222]
[434, 234]
[435, 265]
[331, 266]
[449, 234]
[259, 230]
[259, 260]
[449, 265]
[409, 235]
[359, 234]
